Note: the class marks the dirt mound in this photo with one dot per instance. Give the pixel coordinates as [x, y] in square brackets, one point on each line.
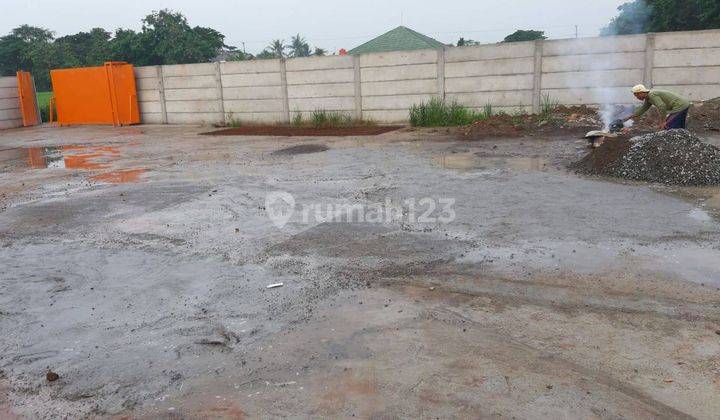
[674, 157]
[571, 119]
[705, 115]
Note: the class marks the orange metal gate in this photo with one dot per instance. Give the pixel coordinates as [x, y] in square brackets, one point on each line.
[28, 99]
[96, 95]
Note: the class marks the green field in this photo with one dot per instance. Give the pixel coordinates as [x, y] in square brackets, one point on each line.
[43, 99]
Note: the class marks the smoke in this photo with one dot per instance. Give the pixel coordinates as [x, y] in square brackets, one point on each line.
[632, 19]
[611, 112]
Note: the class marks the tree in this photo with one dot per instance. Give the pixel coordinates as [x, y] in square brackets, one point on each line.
[265, 55]
[127, 45]
[86, 48]
[633, 19]
[240, 56]
[641, 16]
[169, 39]
[16, 48]
[276, 49]
[165, 38]
[462, 42]
[299, 47]
[525, 35]
[319, 52]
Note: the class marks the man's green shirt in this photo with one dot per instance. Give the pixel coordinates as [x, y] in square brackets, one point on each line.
[667, 102]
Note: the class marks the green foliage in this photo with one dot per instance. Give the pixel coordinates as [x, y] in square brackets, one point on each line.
[633, 19]
[17, 49]
[43, 100]
[166, 38]
[266, 55]
[438, 113]
[321, 118]
[297, 119]
[276, 49]
[548, 104]
[86, 48]
[525, 35]
[299, 47]
[488, 110]
[233, 121]
[641, 16]
[240, 56]
[462, 42]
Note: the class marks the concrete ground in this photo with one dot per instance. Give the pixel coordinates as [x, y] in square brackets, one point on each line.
[135, 264]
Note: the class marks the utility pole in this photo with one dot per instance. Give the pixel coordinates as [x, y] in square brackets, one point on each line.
[576, 31]
[244, 52]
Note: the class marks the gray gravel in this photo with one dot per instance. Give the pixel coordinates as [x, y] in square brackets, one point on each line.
[675, 157]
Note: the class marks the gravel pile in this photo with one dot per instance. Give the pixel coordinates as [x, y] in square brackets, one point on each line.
[674, 157]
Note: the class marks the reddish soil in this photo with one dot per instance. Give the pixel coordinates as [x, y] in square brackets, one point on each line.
[599, 161]
[287, 131]
[573, 120]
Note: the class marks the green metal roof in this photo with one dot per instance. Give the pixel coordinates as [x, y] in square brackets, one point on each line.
[399, 39]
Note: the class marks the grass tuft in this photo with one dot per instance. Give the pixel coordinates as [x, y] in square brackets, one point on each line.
[548, 104]
[233, 121]
[43, 99]
[438, 113]
[321, 118]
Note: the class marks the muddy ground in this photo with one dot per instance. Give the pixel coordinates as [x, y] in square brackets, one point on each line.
[135, 265]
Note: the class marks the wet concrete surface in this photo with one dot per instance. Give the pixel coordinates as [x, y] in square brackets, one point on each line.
[140, 276]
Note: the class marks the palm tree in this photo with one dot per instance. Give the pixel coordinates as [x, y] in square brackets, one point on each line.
[299, 47]
[265, 55]
[319, 52]
[277, 48]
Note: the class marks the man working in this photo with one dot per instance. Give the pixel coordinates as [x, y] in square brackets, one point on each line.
[673, 107]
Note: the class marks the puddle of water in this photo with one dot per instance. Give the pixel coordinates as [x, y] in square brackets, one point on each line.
[700, 215]
[83, 157]
[466, 161]
[71, 157]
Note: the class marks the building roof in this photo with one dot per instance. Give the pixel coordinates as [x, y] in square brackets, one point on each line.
[399, 39]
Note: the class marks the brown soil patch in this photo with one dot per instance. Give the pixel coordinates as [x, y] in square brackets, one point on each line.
[287, 131]
[571, 119]
[600, 160]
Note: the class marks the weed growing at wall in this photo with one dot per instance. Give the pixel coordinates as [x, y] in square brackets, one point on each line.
[438, 113]
[548, 104]
[321, 118]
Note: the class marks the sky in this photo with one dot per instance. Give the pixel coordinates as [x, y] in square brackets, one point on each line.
[329, 24]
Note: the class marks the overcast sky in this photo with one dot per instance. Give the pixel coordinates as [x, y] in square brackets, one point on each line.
[331, 24]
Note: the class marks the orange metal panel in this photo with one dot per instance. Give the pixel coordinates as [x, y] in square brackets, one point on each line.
[96, 95]
[28, 99]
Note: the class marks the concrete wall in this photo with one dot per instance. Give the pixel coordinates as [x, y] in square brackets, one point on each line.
[593, 71]
[321, 83]
[10, 115]
[390, 83]
[383, 86]
[688, 62]
[253, 90]
[499, 75]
